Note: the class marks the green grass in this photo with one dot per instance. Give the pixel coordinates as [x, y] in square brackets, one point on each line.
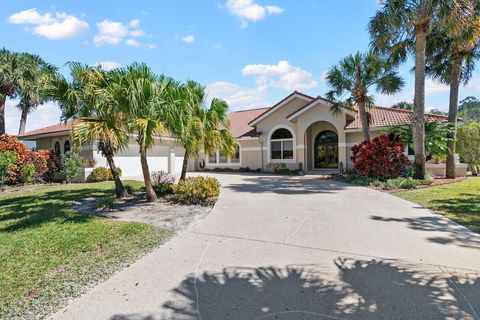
[49, 252]
[459, 201]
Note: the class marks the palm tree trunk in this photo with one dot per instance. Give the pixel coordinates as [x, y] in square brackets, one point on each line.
[120, 191]
[23, 122]
[418, 120]
[184, 166]
[452, 117]
[151, 196]
[364, 119]
[2, 114]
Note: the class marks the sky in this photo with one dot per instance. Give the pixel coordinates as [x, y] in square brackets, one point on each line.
[252, 53]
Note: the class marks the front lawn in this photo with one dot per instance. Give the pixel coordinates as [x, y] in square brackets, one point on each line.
[49, 252]
[457, 201]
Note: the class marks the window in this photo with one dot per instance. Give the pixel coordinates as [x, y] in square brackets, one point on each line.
[66, 146]
[219, 157]
[281, 145]
[56, 148]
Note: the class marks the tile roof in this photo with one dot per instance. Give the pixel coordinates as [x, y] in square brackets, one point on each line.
[385, 117]
[239, 122]
[50, 129]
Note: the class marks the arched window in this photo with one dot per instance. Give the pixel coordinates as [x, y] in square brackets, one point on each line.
[56, 148]
[281, 144]
[66, 146]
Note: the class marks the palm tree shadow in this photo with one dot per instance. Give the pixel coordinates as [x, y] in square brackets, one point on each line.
[359, 290]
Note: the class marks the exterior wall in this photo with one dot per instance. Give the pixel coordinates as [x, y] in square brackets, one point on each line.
[276, 120]
[250, 156]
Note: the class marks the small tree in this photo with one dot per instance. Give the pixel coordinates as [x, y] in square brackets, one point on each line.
[7, 166]
[73, 164]
[468, 140]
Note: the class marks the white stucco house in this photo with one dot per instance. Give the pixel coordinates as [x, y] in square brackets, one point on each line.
[298, 130]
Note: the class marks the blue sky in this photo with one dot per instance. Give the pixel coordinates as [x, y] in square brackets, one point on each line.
[250, 52]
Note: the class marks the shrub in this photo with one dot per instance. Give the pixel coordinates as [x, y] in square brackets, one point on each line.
[104, 203]
[381, 158]
[7, 166]
[162, 182]
[100, 174]
[24, 156]
[402, 183]
[27, 173]
[73, 164]
[197, 190]
[277, 167]
[468, 138]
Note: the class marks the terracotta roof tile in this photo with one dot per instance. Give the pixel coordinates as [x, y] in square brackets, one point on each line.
[50, 129]
[239, 122]
[385, 117]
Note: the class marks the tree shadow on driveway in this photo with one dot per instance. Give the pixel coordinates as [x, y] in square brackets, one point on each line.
[360, 289]
[452, 233]
[286, 185]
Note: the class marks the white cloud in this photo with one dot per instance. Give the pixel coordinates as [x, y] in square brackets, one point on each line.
[133, 43]
[432, 87]
[45, 115]
[237, 97]
[108, 65]
[55, 27]
[189, 39]
[248, 10]
[281, 75]
[151, 46]
[114, 32]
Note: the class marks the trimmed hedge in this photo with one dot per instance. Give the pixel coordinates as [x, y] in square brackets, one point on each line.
[196, 191]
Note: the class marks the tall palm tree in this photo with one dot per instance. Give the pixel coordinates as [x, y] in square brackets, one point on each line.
[89, 99]
[35, 88]
[353, 79]
[453, 53]
[204, 127]
[12, 75]
[401, 28]
[143, 96]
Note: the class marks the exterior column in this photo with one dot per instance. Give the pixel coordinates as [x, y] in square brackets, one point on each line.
[171, 162]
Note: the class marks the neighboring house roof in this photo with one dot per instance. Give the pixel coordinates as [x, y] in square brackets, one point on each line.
[56, 128]
[301, 95]
[386, 117]
[239, 122]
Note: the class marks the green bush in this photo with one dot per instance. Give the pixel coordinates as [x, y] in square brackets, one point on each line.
[27, 172]
[197, 191]
[7, 166]
[277, 167]
[468, 139]
[105, 203]
[100, 174]
[73, 165]
[402, 183]
[162, 182]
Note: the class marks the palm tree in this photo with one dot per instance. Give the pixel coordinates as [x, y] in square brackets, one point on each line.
[400, 28]
[453, 53]
[89, 100]
[35, 89]
[143, 97]
[354, 77]
[203, 127]
[12, 74]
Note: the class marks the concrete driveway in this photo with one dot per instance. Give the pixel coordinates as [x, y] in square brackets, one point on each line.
[299, 248]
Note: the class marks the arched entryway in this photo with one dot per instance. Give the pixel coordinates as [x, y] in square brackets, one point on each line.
[326, 150]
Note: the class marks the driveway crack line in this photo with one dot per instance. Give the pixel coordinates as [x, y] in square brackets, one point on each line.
[475, 314]
[299, 311]
[297, 229]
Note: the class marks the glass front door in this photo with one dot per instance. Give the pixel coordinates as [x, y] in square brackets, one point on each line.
[326, 150]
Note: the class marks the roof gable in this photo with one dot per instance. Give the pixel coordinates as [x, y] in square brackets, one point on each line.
[280, 104]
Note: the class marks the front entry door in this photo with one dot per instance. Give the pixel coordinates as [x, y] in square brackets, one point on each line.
[326, 150]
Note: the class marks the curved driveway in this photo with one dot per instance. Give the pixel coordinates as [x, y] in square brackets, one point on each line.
[299, 248]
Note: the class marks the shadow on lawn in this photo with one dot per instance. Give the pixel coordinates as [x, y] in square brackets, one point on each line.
[33, 210]
[450, 232]
[358, 290]
[286, 185]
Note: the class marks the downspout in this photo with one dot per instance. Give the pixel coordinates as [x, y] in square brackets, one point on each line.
[261, 152]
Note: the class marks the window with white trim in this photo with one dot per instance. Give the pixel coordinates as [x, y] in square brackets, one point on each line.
[281, 145]
[220, 157]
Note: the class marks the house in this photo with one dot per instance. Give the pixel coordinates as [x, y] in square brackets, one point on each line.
[299, 130]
